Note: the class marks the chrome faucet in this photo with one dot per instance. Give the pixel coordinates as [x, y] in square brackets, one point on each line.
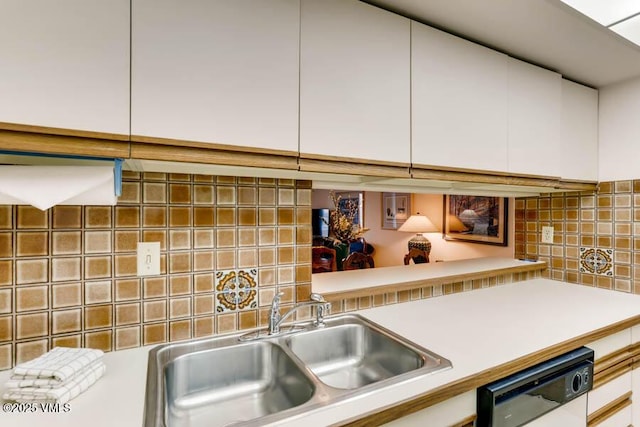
[276, 319]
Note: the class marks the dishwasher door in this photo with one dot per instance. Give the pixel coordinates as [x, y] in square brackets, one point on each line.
[547, 390]
[572, 414]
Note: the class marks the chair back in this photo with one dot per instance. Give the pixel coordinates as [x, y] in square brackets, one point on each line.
[361, 245]
[417, 255]
[357, 261]
[323, 259]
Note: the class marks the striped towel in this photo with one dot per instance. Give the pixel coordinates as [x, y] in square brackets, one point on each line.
[57, 376]
[55, 367]
[62, 394]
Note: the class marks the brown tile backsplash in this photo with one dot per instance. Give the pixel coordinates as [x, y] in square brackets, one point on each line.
[68, 276]
[66, 242]
[29, 217]
[599, 249]
[30, 244]
[6, 217]
[67, 217]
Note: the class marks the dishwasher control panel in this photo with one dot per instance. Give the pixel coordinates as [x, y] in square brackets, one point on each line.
[579, 382]
[526, 395]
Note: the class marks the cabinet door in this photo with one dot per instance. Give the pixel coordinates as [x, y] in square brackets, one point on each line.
[579, 145]
[354, 81]
[618, 130]
[65, 64]
[609, 392]
[457, 411]
[220, 71]
[535, 103]
[635, 381]
[459, 102]
[605, 402]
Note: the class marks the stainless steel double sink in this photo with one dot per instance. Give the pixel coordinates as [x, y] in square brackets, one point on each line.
[223, 381]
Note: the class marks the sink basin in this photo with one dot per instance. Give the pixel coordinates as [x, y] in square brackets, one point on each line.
[228, 381]
[247, 381]
[353, 355]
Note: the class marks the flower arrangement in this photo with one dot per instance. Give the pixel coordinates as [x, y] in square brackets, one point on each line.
[342, 219]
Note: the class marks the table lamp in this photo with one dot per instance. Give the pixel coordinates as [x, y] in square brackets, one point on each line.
[419, 224]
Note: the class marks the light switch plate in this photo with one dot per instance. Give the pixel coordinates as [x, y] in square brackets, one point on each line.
[148, 258]
[547, 234]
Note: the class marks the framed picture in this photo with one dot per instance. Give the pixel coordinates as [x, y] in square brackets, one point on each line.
[477, 219]
[348, 199]
[396, 208]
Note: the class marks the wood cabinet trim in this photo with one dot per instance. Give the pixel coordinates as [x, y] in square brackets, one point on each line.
[609, 410]
[349, 160]
[615, 364]
[472, 382]
[417, 167]
[322, 164]
[491, 177]
[17, 127]
[426, 283]
[30, 142]
[18, 137]
[145, 151]
[210, 146]
[467, 422]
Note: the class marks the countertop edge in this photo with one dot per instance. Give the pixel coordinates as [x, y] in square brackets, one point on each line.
[430, 282]
[449, 390]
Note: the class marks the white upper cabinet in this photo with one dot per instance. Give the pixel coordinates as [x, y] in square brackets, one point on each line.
[535, 120]
[216, 71]
[459, 102]
[580, 132]
[65, 64]
[618, 130]
[354, 81]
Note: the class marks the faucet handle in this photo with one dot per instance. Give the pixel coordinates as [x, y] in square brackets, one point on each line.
[276, 299]
[316, 297]
[323, 307]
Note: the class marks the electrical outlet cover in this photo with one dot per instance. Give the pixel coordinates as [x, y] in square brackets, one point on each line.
[547, 234]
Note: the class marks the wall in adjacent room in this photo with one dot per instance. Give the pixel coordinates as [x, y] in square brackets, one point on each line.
[391, 245]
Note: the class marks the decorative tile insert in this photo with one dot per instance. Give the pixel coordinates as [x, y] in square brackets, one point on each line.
[236, 290]
[596, 261]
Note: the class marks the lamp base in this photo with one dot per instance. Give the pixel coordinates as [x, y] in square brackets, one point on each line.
[420, 242]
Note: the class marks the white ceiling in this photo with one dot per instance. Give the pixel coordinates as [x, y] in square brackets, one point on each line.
[547, 33]
[606, 12]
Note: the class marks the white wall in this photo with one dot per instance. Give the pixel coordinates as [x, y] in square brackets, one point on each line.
[391, 246]
[619, 131]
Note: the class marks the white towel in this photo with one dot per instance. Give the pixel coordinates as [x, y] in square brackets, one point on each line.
[62, 394]
[47, 382]
[57, 366]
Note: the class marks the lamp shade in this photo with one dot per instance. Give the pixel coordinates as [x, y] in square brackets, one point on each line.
[418, 224]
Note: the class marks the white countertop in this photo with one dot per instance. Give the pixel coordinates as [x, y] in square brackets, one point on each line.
[476, 330]
[370, 278]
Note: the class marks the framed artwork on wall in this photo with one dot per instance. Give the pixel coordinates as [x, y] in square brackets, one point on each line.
[476, 219]
[349, 199]
[396, 208]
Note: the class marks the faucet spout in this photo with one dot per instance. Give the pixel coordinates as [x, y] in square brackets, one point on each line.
[274, 314]
[276, 319]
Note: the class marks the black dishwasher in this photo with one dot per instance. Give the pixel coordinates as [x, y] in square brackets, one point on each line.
[526, 395]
